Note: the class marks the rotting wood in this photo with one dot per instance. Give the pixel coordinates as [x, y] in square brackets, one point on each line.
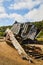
[16, 44]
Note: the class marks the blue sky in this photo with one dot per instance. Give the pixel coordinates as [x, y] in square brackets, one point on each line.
[20, 10]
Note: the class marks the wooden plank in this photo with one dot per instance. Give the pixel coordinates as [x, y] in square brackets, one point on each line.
[16, 44]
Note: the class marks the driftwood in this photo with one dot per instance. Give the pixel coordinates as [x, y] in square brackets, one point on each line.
[18, 47]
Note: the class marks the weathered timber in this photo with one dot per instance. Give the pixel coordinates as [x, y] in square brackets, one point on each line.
[24, 30]
[16, 44]
[33, 51]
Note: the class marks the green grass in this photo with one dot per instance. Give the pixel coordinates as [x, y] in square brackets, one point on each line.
[40, 35]
[1, 33]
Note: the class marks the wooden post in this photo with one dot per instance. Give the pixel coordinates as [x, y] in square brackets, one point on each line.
[16, 44]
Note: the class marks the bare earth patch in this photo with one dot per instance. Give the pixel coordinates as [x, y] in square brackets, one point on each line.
[10, 56]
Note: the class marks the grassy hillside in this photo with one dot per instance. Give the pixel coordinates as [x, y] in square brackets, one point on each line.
[39, 24]
[2, 30]
[41, 34]
[39, 37]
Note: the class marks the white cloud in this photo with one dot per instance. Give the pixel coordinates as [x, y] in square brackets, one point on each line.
[4, 0]
[26, 0]
[22, 5]
[4, 15]
[35, 14]
[1, 0]
[2, 10]
[25, 4]
[17, 17]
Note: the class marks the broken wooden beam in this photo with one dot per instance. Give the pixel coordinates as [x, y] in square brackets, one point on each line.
[16, 44]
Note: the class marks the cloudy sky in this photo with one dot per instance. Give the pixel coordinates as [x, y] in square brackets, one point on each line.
[20, 10]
